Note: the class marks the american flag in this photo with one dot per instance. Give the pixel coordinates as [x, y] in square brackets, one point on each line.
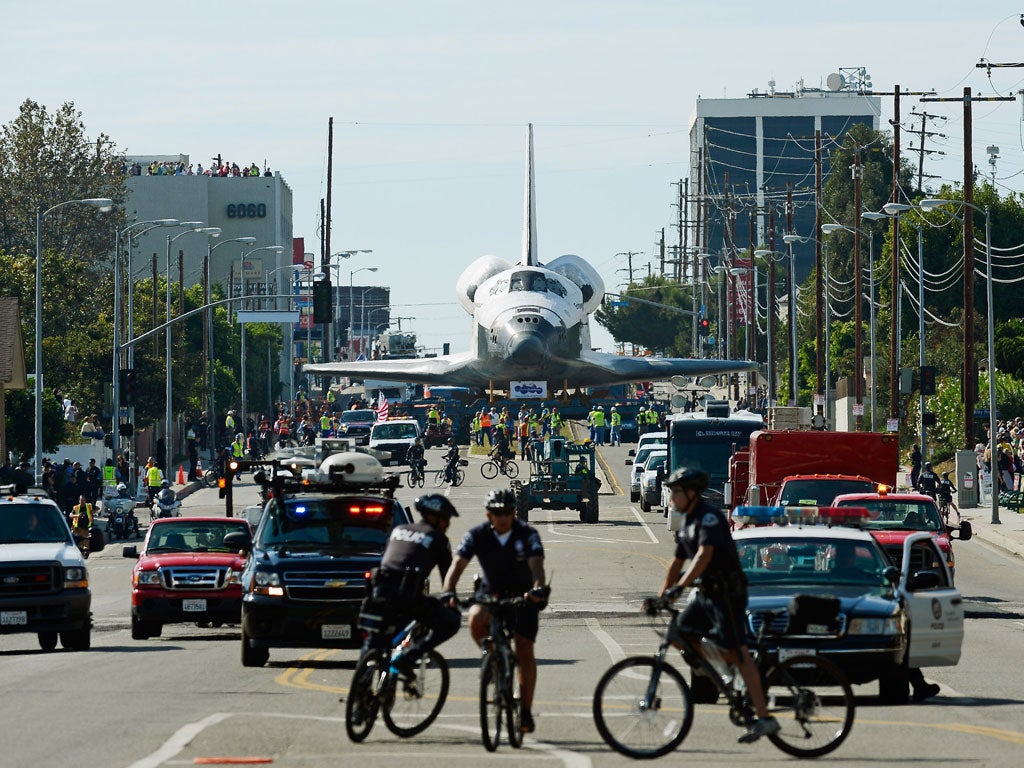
[382, 407]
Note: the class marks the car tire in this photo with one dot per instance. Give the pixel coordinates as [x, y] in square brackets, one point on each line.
[77, 640]
[634, 497]
[894, 686]
[522, 506]
[253, 657]
[591, 511]
[644, 506]
[702, 689]
[47, 640]
[143, 630]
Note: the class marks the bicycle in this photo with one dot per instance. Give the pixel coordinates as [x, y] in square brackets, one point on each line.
[492, 467]
[499, 678]
[416, 475]
[643, 708]
[408, 703]
[453, 474]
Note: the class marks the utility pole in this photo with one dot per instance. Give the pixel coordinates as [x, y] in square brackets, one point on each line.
[858, 362]
[771, 306]
[629, 256]
[922, 134]
[325, 258]
[794, 383]
[970, 381]
[894, 272]
[819, 362]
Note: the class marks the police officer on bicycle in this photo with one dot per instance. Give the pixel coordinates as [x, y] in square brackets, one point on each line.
[706, 548]
[412, 552]
[451, 460]
[928, 482]
[512, 559]
[415, 455]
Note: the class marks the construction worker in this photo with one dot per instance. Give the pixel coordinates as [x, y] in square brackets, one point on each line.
[238, 446]
[433, 416]
[154, 479]
[229, 423]
[109, 479]
[598, 423]
[325, 424]
[616, 420]
[81, 524]
[556, 422]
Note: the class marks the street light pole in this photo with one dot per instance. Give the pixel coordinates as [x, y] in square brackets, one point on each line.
[245, 254]
[168, 337]
[104, 204]
[328, 355]
[211, 417]
[351, 304]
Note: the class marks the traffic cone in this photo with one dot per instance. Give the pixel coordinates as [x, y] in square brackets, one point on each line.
[199, 467]
[180, 480]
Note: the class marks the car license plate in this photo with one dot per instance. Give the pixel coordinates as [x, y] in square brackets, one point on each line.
[789, 653]
[336, 632]
[13, 618]
[196, 605]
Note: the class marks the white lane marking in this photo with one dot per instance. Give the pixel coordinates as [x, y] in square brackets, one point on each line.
[569, 759]
[643, 524]
[179, 740]
[598, 539]
[613, 648]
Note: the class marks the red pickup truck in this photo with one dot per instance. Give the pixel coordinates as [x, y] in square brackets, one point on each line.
[895, 516]
[185, 573]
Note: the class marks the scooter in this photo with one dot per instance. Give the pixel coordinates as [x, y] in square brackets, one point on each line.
[166, 504]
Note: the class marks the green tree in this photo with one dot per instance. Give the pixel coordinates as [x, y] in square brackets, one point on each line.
[658, 329]
[20, 422]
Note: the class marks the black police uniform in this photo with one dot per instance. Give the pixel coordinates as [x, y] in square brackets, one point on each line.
[412, 552]
[505, 567]
[719, 608]
[928, 482]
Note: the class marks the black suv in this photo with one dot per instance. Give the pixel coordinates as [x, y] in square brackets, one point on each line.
[311, 556]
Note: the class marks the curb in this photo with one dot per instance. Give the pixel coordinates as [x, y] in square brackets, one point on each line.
[986, 532]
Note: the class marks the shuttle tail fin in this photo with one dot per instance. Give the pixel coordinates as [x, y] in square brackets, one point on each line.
[529, 258]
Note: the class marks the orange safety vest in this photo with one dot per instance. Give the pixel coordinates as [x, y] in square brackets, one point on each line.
[485, 420]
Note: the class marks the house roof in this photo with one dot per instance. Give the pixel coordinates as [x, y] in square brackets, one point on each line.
[12, 349]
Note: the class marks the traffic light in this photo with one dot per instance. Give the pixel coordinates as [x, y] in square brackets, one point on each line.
[126, 383]
[322, 304]
[927, 379]
[703, 326]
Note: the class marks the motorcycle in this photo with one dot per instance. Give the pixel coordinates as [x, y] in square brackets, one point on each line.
[166, 504]
[116, 524]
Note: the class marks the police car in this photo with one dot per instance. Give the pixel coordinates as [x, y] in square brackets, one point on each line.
[310, 559]
[890, 619]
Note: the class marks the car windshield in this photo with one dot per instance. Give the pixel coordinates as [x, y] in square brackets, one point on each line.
[28, 522]
[363, 416]
[655, 460]
[820, 492]
[645, 453]
[394, 432]
[347, 521]
[811, 562]
[192, 536]
[893, 515]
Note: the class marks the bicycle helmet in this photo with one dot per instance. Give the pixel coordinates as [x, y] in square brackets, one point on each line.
[500, 499]
[435, 504]
[689, 477]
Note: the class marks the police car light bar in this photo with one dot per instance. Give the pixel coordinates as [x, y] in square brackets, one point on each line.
[851, 516]
[759, 515]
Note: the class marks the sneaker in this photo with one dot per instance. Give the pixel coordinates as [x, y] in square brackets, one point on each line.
[763, 726]
[526, 724]
[926, 691]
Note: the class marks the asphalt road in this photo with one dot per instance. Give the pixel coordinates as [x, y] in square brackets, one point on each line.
[185, 696]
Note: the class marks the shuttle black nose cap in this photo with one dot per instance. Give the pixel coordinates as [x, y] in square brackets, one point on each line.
[527, 349]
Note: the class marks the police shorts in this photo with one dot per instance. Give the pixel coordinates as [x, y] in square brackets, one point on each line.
[525, 621]
[722, 619]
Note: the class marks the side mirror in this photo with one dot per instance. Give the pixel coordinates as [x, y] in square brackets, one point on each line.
[130, 551]
[964, 532]
[923, 580]
[891, 574]
[238, 540]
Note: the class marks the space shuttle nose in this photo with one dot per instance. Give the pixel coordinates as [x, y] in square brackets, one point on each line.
[527, 349]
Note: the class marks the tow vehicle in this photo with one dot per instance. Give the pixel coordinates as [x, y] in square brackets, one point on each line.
[310, 559]
[891, 618]
[562, 476]
[395, 436]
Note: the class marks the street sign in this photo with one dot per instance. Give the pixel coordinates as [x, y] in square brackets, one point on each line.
[858, 409]
[620, 303]
[892, 425]
[819, 399]
[307, 265]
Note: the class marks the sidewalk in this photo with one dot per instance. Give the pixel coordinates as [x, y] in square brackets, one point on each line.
[1008, 535]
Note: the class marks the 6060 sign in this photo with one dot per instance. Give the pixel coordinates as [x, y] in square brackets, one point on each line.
[247, 211]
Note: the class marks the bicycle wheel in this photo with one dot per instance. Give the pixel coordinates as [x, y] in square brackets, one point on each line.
[491, 702]
[439, 478]
[489, 470]
[460, 477]
[362, 704]
[513, 715]
[633, 727]
[511, 470]
[420, 478]
[813, 703]
[417, 702]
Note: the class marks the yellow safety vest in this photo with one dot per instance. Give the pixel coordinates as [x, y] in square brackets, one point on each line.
[77, 510]
[109, 475]
[153, 477]
[325, 423]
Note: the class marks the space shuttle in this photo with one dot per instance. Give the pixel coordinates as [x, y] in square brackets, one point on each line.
[530, 322]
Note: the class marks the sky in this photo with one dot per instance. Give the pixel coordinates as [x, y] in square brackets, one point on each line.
[430, 102]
